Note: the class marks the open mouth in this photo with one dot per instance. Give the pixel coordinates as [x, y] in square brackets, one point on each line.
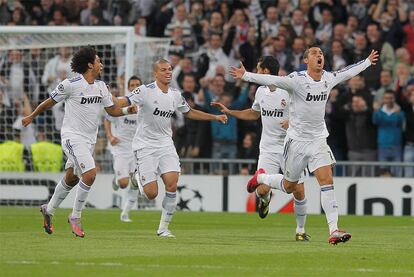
[319, 61]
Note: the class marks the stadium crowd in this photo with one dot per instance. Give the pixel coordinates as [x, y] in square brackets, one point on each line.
[370, 118]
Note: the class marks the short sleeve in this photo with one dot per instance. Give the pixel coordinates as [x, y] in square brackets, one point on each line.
[62, 91]
[136, 96]
[106, 96]
[182, 104]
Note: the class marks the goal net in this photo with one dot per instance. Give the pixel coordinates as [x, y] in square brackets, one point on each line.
[33, 60]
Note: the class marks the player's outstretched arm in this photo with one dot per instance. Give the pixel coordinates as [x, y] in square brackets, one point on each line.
[282, 82]
[47, 104]
[121, 107]
[247, 114]
[199, 115]
[354, 69]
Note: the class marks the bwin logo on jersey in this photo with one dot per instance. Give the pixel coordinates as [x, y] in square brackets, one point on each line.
[91, 100]
[130, 122]
[275, 112]
[167, 114]
[319, 97]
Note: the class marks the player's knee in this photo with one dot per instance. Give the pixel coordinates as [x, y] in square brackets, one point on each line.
[299, 192]
[89, 176]
[71, 179]
[289, 186]
[151, 190]
[326, 180]
[151, 194]
[123, 183]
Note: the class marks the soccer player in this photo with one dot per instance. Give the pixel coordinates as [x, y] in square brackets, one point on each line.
[120, 131]
[305, 142]
[84, 98]
[153, 145]
[272, 105]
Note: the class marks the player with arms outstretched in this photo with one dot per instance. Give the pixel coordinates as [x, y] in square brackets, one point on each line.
[84, 98]
[272, 105]
[305, 142]
[153, 145]
[120, 132]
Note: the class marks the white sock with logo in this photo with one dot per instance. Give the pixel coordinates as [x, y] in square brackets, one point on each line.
[131, 199]
[61, 191]
[300, 214]
[168, 208]
[330, 206]
[80, 199]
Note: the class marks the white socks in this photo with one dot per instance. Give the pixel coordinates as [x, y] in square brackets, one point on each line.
[275, 181]
[131, 199]
[61, 191]
[300, 214]
[330, 206]
[168, 208]
[80, 199]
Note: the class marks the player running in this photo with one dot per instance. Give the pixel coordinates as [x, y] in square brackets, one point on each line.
[305, 142]
[120, 131]
[84, 98]
[272, 105]
[153, 145]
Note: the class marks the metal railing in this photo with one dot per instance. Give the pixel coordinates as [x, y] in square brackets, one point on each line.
[342, 168]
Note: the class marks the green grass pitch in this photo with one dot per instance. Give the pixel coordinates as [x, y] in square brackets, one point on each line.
[207, 244]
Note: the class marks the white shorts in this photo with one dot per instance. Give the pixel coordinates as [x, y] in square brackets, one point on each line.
[301, 154]
[273, 163]
[80, 155]
[123, 165]
[153, 162]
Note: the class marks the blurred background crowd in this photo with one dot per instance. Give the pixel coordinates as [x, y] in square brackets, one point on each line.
[370, 117]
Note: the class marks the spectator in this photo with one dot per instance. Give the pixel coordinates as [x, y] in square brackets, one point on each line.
[386, 84]
[213, 26]
[225, 136]
[59, 17]
[85, 14]
[179, 20]
[298, 22]
[281, 52]
[352, 25]
[408, 108]
[140, 27]
[360, 133]
[335, 123]
[270, 26]
[19, 77]
[298, 48]
[249, 51]
[389, 118]
[97, 18]
[58, 68]
[212, 56]
[387, 57]
[409, 35]
[249, 150]
[337, 59]
[184, 67]
[5, 13]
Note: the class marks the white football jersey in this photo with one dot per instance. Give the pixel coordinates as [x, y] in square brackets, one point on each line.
[308, 97]
[274, 108]
[155, 109]
[83, 107]
[123, 128]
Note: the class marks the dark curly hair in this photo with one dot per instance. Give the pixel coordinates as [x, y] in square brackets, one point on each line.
[81, 59]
